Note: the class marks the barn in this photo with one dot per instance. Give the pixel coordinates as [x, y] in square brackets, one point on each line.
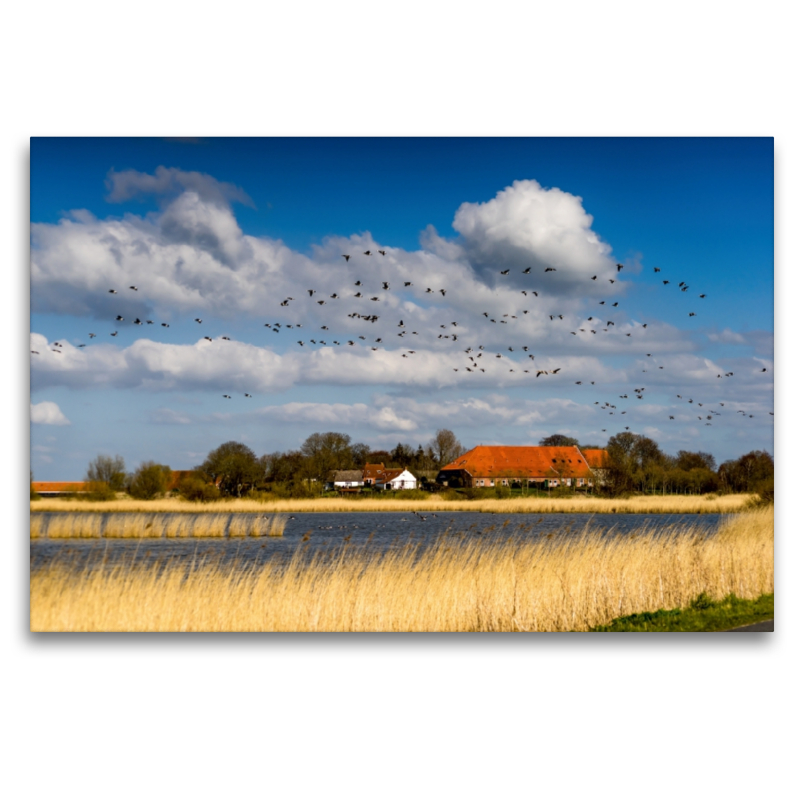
[490, 465]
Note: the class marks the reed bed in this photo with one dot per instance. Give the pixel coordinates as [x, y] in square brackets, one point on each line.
[178, 526]
[74, 526]
[154, 526]
[463, 582]
[38, 526]
[133, 526]
[646, 504]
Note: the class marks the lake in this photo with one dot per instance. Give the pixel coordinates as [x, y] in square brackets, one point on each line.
[321, 534]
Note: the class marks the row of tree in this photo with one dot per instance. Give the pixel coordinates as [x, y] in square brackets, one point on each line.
[636, 464]
[233, 469]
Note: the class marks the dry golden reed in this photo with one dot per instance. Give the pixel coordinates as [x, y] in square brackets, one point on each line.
[464, 582]
[135, 525]
[647, 504]
[75, 526]
[178, 526]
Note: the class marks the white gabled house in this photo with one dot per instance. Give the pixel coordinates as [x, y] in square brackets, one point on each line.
[393, 479]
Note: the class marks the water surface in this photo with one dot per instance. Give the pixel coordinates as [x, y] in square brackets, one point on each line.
[324, 534]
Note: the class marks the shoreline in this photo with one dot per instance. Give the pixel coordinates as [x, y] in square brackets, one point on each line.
[646, 504]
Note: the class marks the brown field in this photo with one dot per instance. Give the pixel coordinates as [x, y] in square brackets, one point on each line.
[464, 583]
[649, 504]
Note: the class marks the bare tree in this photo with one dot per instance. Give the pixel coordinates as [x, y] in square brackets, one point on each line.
[445, 447]
[110, 471]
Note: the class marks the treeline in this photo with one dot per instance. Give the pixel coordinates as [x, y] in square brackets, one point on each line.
[234, 470]
[637, 464]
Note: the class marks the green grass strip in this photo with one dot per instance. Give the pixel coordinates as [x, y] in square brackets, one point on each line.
[702, 614]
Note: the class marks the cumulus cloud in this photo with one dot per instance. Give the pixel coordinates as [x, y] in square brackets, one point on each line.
[526, 225]
[130, 183]
[238, 366]
[47, 413]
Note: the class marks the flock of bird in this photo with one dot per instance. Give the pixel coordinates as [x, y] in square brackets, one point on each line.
[473, 356]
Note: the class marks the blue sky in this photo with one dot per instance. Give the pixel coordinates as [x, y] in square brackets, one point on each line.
[224, 230]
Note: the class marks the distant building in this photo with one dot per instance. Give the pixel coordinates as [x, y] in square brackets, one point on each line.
[599, 463]
[371, 473]
[345, 479]
[58, 488]
[486, 466]
[393, 479]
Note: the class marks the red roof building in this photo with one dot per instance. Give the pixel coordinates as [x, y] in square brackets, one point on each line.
[501, 466]
[54, 488]
[372, 473]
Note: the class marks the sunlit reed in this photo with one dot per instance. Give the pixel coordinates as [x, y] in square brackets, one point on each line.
[646, 504]
[463, 582]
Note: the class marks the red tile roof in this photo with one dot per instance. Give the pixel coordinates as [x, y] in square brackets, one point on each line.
[49, 487]
[511, 462]
[372, 471]
[597, 459]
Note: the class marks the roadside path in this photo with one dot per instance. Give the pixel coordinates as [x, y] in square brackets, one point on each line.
[758, 627]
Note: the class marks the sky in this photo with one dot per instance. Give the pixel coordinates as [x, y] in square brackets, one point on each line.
[540, 254]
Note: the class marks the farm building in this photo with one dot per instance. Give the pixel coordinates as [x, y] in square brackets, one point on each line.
[392, 479]
[371, 473]
[345, 479]
[598, 462]
[504, 466]
[58, 488]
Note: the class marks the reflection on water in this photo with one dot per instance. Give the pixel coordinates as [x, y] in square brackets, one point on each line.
[318, 534]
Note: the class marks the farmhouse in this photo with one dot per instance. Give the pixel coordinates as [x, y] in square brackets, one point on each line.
[391, 479]
[503, 466]
[58, 488]
[371, 473]
[599, 464]
[345, 479]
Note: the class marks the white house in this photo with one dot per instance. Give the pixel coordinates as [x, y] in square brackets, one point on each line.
[391, 479]
[346, 479]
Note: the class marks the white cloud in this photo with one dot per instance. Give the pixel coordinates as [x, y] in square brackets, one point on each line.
[526, 225]
[130, 183]
[47, 413]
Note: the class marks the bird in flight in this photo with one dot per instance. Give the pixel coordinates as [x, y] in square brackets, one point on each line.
[92, 335]
[135, 288]
[619, 267]
[550, 269]
[345, 257]
[198, 320]
[504, 272]
[112, 291]
[367, 252]
[382, 252]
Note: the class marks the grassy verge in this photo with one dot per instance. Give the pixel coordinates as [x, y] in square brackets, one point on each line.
[645, 504]
[463, 582]
[702, 614]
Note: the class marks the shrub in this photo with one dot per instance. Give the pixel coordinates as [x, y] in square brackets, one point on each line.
[149, 481]
[194, 488]
[97, 491]
[502, 492]
[34, 494]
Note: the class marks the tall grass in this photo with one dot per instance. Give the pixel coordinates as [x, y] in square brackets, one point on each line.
[154, 526]
[133, 526]
[462, 583]
[74, 526]
[579, 504]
